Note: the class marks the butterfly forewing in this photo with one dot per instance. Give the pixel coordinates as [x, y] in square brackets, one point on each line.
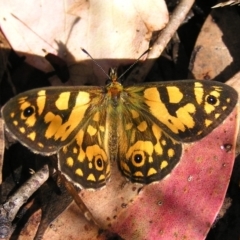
[187, 110]
[47, 119]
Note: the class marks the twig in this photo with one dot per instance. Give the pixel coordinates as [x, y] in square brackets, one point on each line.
[227, 3]
[2, 147]
[176, 19]
[9, 210]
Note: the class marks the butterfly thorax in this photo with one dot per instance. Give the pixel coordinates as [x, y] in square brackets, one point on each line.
[114, 90]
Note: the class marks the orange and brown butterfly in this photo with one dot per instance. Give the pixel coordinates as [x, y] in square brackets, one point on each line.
[141, 128]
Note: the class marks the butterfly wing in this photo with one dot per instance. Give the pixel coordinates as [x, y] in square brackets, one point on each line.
[46, 119]
[186, 110]
[64, 120]
[161, 116]
[146, 153]
[85, 160]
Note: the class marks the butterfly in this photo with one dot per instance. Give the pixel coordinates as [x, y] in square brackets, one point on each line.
[141, 128]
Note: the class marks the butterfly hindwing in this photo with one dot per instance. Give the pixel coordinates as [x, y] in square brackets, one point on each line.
[85, 161]
[146, 153]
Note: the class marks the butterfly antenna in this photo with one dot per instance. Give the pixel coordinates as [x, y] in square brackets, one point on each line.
[96, 62]
[148, 50]
[109, 77]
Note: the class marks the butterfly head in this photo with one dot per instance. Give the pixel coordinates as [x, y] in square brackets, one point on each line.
[114, 88]
[113, 75]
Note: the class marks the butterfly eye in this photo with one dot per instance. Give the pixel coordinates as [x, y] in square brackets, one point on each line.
[28, 111]
[211, 99]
